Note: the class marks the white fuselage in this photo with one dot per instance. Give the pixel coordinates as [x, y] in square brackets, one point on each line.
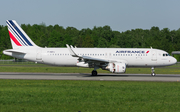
[132, 57]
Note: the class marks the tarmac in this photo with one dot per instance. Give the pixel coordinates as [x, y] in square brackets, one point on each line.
[86, 76]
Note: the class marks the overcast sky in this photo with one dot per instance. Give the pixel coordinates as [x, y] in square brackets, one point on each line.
[120, 15]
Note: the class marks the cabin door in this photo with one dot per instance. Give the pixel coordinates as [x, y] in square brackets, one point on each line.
[39, 55]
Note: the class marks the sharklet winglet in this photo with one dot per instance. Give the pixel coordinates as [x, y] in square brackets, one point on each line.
[71, 51]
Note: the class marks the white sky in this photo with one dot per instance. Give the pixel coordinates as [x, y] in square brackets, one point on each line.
[120, 15]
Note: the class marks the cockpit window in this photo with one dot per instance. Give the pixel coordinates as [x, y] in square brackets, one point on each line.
[166, 55]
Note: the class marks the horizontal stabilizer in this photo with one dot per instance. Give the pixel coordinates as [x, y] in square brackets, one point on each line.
[14, 51]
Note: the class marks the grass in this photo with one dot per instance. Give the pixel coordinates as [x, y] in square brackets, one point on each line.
[88, 96]
[31, 67]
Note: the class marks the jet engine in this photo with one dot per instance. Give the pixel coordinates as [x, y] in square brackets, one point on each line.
[82, 64]
[116, 67]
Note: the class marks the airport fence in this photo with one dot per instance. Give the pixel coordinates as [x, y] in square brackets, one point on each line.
[15, 61]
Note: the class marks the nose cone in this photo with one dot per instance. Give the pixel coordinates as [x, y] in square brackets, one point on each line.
[174, 61]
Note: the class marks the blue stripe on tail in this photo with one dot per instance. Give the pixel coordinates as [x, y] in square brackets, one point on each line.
[22, 35]
[16, 34]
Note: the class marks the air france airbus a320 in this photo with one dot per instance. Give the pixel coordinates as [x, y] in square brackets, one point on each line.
[116, 60]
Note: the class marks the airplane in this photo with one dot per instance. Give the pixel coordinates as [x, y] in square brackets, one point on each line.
[115, 60]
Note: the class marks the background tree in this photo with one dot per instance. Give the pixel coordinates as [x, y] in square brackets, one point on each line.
[57, 36]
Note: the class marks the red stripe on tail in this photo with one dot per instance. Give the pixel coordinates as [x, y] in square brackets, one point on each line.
[14, 39]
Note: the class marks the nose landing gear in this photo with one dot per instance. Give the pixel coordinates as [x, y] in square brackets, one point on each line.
[152, 71]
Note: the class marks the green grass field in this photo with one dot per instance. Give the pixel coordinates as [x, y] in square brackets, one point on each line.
[31, 67]
[88, 96]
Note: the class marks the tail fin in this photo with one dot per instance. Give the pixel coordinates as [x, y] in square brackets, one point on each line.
[17, 36]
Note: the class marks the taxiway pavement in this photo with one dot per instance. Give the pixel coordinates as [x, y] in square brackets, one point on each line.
[86, 76]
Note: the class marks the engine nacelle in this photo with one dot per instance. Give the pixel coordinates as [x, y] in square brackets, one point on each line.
[116, 67]
[82, 64]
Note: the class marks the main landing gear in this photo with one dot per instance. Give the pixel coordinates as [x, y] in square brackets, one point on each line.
[152, 71]
[94, 73]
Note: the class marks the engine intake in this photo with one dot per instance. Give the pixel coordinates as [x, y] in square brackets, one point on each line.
[116, 67]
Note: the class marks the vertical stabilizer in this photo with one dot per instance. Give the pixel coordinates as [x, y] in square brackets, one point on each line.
[17, 35]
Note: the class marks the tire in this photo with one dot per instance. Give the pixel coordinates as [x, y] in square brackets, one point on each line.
[94, 73]
[153, 74]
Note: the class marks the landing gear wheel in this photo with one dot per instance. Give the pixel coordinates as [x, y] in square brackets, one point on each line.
[94, 73]
[153, 74]
[152, 70]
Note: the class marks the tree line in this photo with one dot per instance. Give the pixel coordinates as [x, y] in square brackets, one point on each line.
[58, 36]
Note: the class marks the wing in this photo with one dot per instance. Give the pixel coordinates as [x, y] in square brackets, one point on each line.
[85, 58]
[90, 59]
